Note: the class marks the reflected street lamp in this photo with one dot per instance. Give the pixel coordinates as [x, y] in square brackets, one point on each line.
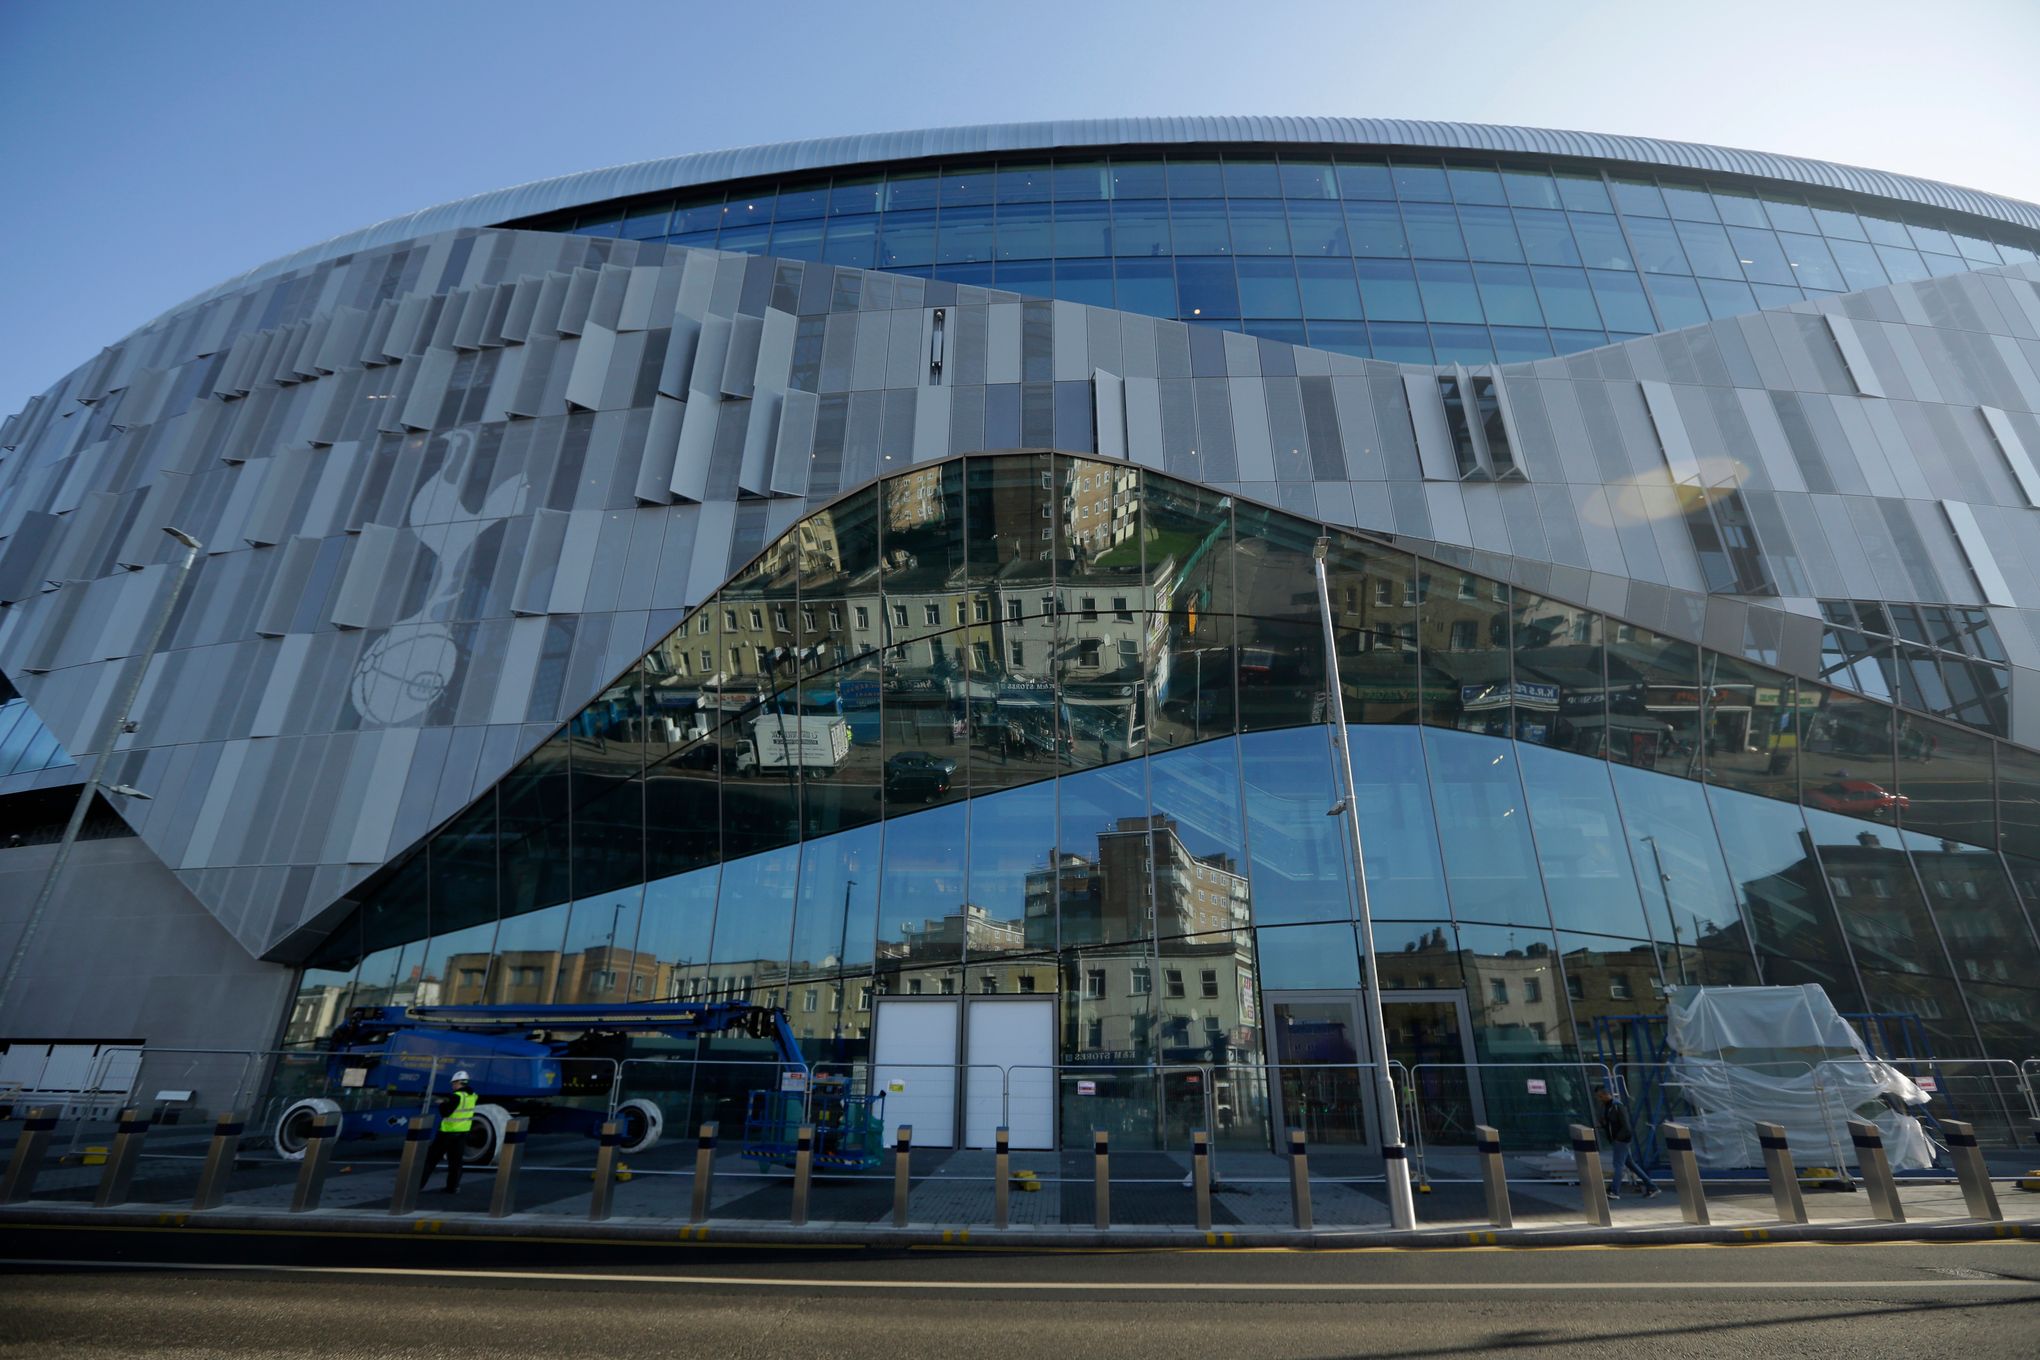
[1402, 1207]
[118, 721]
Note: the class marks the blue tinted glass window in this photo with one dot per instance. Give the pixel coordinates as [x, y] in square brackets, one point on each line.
[1810, 261]
[1788, 216]
[851, 241]
[912, 191]
[1376, 229]
[1083, 228]
[799, 240]
[1329, 290]
[1318, 228]
[1518, 345]
[1945, 264]
[1583, 193]
[1080, 181]
[1568, 300]
[748, 210]
[1024, 183]
[1740, 210]
[700, 214]
[1690, 202]
[1885, 232]
[1638, 198]
[1259, 227]
[1268, 288]
[1139, 179]
[1252, 177]
[1975, 248]
[1288, 332]
[1400, 343]
[1195, 179]
[1656, 241]
[1389, 291]
[1147, 286]
[1933, 239]
[1678, 301]
[967, 234]
[1448, 290]
[856, 194]
[751, 239]
[1776, 294]
[905, 238]
[967, 186]
[1580, 844]
[1200, 227]
[1140, 227]
[1600, 240]
[1364, 179]
[1026, 231]
[1508, 295]
[1760, 256]
[1462, 344]
[1405, 880]
[646, 223]
[801, 201]
[604, 223]
[1417, 180]
[1530, 189]
[1341, 337]
[1490, 865]
[1709, 250]
[2015, 254]
[977, 275]
[1434, 231]
[1207, 287]
[1623, 305]
[1858, 263]
[1903, 265]
[1490, 234]
[1474, 184]
[1084, 281]
[1036, 278]
[1308, 179]
[1838, 223]
[1299, 865]
[1547, 237]
[1572, 342]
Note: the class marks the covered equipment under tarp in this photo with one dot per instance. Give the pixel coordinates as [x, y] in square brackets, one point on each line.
[1786, 1056]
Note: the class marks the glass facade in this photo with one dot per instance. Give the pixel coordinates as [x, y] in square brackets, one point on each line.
[1037, 723]
[1411, 259]
[26, 746]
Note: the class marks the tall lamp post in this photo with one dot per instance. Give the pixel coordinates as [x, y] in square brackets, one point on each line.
[117, 722]
[1402, 1207]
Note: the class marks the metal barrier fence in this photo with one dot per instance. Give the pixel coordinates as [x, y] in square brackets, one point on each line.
[1535, 1102]
[1995, 1096]
[1719, 1102]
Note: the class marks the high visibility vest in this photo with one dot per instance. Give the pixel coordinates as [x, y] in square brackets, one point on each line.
[463, 1115]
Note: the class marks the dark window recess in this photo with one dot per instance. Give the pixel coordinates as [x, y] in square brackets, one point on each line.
[1463, 447]
[1488, 401]
[1730, 557]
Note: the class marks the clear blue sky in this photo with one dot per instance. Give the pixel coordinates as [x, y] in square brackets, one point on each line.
[151, 149]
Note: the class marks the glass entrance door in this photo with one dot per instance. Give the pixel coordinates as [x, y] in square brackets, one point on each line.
[1318, 1046]
[1429, 1036]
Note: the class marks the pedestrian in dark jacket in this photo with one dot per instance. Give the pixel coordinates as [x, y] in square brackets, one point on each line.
[1621, 1136]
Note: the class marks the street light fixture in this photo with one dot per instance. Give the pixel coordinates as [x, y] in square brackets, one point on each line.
[1402, 1206]
[118, 722]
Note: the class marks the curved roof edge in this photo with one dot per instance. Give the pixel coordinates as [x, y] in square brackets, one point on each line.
[711, 167]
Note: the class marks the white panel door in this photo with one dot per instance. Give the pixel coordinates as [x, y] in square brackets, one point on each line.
[1018, 1035]
[914, 1064]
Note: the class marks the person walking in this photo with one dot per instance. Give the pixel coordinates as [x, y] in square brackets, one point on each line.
[1621, 1136]
[456, 1117]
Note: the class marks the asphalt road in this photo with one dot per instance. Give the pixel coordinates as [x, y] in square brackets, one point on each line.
[67, 1294]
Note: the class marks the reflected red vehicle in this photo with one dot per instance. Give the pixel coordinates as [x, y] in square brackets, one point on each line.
[1857, 798]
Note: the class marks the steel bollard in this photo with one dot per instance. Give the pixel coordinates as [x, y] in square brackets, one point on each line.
[1299, 1181]
[1002, 1179]
[704, 1173]
[410, 1174]
[1101, 1178]
[1685, 1172]
[120, 1164]
[605, 1171]
[1874, 1166]
[311, 1176]
[803, 1172]
[1977, 1191]
[1494, 1177]
[1784, 1176]
[26, 1164]
[509, 1159]
[903, 1146]
[1200, 1176]
[1586, 1147]
[219, 1161]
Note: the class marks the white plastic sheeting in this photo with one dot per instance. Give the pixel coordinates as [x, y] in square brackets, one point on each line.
[1785, 1056]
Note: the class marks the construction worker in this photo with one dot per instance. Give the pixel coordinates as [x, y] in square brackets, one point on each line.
[456, 1117]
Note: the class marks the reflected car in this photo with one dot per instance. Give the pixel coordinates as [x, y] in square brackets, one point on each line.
[1857, 798]
[919, 775]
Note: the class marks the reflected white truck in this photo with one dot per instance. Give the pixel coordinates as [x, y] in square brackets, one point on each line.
[816, 744]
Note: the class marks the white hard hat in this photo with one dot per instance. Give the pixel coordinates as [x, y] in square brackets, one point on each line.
[461, 1075]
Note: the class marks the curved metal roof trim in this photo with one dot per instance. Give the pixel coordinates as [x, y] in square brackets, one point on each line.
[711, 167]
